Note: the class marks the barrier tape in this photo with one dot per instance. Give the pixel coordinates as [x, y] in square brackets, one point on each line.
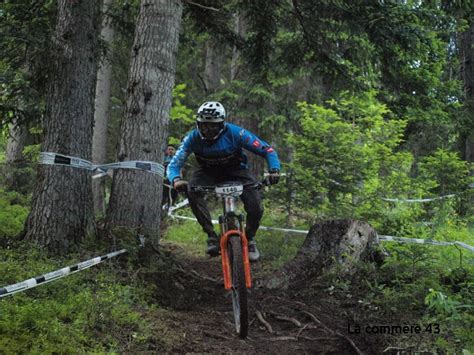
[418, 199]
[415, 200]
[389, 238]
[57, 274]
[175, 207]
[49, 158]
[386, 238]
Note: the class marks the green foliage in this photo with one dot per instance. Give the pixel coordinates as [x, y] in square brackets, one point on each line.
[93, 311]
[182, 117]
[24, 64]
[13, 213]
[343, 152]
[180, 112]
[447, 172]
[441, 304]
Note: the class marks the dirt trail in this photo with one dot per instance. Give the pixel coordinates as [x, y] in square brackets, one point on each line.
[295, 321]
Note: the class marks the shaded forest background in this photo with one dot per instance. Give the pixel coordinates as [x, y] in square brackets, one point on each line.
[363, 101]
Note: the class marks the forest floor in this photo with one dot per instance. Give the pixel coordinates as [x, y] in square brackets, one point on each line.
[197, 313]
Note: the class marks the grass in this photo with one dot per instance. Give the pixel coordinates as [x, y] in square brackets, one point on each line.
[275, 247]
[95, 310]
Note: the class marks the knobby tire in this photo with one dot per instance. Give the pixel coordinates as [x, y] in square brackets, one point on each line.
[239, 290]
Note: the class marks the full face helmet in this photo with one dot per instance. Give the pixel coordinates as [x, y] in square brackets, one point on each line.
[210, 120]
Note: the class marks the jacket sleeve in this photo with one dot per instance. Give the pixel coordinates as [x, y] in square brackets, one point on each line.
[176, 164]
[258, 146]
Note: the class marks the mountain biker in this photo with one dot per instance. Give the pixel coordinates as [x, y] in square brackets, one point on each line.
[217, 146]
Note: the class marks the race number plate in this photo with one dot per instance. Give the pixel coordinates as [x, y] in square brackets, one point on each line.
[224, 190]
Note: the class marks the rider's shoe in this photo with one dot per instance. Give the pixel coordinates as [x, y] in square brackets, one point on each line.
[213, 247]
[254, 254]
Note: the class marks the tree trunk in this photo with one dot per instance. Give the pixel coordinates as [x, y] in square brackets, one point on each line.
[101, 113]
[339, 243]
[62, 212]
[467, 70]
[247, 105]
[240, 29]
[15, 161]
[136, 195]
[213, 65]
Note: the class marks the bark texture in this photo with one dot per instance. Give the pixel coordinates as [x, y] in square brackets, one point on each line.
[101, 113]
[337, 243]
[250, 120]
[213, 65]
[62, 212]
[15, 177]
[136, 195]
[467, 70]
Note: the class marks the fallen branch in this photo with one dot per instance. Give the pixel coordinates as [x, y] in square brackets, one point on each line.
[264, 322]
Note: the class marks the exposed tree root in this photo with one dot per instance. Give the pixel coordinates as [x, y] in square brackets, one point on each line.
[335, 332]
[264, 322]
[288, 319]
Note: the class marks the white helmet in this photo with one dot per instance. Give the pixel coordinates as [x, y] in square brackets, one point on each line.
[211, 111]
[210, 120]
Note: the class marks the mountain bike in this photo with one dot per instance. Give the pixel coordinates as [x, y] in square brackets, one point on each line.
[234, 249]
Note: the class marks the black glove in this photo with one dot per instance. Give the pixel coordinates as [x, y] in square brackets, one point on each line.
[274, 176]
[180, 185]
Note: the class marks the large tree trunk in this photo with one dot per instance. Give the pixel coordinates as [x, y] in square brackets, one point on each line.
[136, 195]
[213, 65]
[101, 113]
[339, 243]
[467, 71]
[62, 214]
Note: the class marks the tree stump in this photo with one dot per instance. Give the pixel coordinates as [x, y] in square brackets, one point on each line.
[329, 244]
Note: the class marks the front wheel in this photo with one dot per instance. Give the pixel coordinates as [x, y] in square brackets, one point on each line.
[239, 290]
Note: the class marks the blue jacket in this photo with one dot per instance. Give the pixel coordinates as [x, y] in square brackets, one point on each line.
[225, 152]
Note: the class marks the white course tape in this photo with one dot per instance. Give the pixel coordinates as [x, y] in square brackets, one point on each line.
[150, 166]
[386, 238]
[418, 199]
[390, 238]
[464, 245]
[54, 275]
[179, 205]
[61, 159]
[300, 231]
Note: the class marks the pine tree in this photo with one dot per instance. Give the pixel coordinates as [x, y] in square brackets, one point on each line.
[62, 214]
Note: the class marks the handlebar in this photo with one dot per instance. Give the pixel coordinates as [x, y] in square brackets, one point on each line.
[201, 188]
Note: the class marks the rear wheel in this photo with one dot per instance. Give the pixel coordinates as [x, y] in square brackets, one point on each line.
[239, 290]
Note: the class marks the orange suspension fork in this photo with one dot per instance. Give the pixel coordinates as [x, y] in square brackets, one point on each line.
[225, 258]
